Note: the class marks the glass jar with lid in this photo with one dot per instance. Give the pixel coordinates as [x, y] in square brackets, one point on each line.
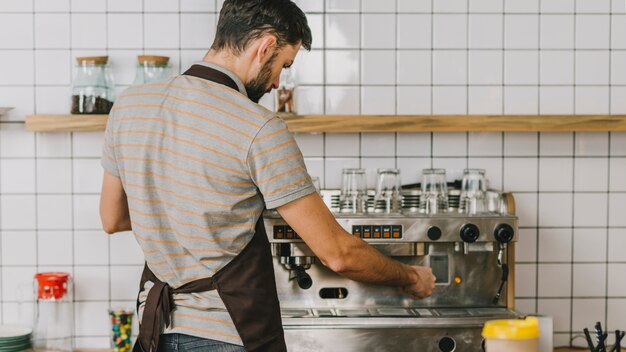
[92, 88]
[285, 94]
[151, 68]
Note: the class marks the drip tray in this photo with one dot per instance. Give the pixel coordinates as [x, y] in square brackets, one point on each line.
[453, 312]
[296, 313]
[353, 313]
[395, 312]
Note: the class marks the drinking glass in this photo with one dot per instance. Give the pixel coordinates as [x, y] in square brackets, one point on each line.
[434, 198]
[353, 198]
[387, 198]
[473, 189]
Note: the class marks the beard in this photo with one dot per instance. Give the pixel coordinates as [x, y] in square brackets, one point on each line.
[256, 87]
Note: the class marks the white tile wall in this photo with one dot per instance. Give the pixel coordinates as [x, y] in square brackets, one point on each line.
[554, 280]
[369, 57]
[55, 247]
[485, 67]
[555, 174]
[485, 31]
[590, 245]
[555, 245]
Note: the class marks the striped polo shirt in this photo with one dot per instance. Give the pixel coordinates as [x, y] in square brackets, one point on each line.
[199, 162]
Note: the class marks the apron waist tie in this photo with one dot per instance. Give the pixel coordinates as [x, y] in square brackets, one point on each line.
[159, 305]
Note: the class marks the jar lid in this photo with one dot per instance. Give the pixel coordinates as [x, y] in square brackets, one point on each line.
[51, 285]
[153, 59]
[514, 329]
[97, 60]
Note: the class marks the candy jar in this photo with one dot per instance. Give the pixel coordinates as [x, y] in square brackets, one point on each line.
[121, 329]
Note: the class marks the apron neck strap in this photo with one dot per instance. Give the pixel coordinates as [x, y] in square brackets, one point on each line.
[211, 74]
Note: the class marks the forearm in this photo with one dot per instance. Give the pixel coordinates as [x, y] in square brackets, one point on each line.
[362, 262]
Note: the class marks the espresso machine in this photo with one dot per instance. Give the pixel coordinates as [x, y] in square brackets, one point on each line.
[472, 256]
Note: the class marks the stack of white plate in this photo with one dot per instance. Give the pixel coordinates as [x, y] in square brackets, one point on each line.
[15, 338]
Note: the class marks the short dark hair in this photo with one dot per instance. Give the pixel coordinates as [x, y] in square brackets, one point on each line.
[242, 21]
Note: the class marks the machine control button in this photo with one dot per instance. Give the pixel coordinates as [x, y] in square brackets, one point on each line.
[396, 231]
[367, 232]
[279, 232]
[357, 230]
[289, 234]
[447, 344]
[470, 233]
[504, 233]
[376, 231]
[434, 233]
[386, 231]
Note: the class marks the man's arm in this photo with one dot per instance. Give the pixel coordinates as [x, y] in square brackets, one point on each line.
[349, 255]
[114, 205]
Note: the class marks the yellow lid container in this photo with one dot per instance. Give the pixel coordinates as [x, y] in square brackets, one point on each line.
[512, 329]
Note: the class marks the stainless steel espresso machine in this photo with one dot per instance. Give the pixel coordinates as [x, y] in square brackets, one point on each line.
[472, 256]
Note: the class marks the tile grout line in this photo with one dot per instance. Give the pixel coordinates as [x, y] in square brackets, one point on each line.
[396, 72]
[608, 183]
[467, 80]
[538, 157]
[573, 195]
[324, 90]
[432, 67]
[36, 193]
[72, 215]
[360, 71]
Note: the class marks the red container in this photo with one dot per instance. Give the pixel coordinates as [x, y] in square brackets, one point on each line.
[52, 285]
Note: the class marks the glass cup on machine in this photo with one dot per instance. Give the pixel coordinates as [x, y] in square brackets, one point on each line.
[387, 198]
[473, 191]
[353, 198]
[434, 198]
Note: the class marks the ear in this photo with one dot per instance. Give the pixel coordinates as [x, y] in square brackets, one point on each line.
[265, 48]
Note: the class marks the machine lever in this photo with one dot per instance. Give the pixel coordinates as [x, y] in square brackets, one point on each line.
[304, 280]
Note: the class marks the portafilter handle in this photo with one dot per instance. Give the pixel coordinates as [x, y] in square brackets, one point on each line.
[304, 280]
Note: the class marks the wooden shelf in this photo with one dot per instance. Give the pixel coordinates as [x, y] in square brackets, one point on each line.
[66, 123]
[383, 123]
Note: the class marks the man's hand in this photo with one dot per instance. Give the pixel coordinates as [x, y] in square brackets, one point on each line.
[425, 283]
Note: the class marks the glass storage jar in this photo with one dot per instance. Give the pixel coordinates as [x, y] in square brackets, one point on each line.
[92, 88]
[151, 68]
[286, 92]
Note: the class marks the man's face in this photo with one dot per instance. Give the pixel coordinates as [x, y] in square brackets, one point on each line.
[269, 74]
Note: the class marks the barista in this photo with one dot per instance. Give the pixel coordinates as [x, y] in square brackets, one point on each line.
[190, 165]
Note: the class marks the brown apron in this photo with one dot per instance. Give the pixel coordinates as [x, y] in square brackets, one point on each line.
[246, 284]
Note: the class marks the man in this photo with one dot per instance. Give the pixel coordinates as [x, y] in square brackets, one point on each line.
[190, 165]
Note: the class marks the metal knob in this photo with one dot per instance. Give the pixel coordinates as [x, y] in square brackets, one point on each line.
[504, 233]
[434, 233]
[469, 233]
[447, 344]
